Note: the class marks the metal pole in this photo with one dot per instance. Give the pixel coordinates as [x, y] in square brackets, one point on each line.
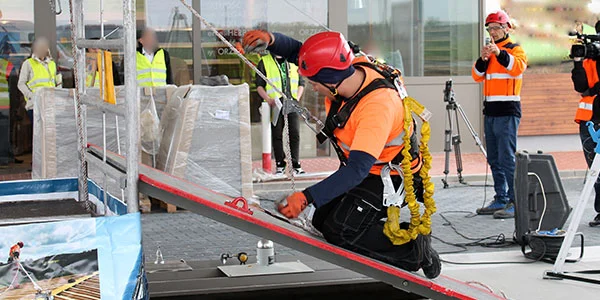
[265, 120]
[132, 106]
[78, 31]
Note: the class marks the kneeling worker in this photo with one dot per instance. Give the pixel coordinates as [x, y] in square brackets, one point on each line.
[350, 202]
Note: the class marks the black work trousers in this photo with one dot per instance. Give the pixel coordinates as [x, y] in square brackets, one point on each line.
[354, 221]
[277, 139]
[589, 151]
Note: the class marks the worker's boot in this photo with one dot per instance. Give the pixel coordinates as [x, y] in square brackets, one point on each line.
[596, 221]
[431, 263]
[492, 208]
[507, 213]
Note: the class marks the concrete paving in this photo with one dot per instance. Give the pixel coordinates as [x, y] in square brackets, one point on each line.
[188, 236]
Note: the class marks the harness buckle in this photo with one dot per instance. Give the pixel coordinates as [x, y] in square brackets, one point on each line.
[391, 196]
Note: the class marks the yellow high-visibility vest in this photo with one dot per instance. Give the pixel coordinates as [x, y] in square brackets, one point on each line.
[152, 73]
[274, 75]
[42, 76]
[92, 80]
[5, 65]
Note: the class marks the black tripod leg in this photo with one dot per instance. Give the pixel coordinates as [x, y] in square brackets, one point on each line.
[447, 145]
[456, 140]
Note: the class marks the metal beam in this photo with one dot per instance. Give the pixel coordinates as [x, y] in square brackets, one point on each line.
[337, 15]
[101, 105]
[116, 44]
[132, 95]
[197, 42]
[44, 23]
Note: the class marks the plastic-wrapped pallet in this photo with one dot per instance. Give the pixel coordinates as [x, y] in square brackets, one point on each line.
[206, 138]
[55, 132]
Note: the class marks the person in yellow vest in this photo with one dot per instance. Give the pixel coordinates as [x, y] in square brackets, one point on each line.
[153, 63]
[92, 79]
[36, 72]
[5, 68]
[285, 76]
[586, 81]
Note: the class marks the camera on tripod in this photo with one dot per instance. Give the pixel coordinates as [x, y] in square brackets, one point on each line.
[588, 48]
[448, 92]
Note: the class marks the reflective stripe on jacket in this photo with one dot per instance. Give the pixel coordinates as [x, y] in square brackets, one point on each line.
[274, 75]
[43, 75]
[586, 104]
[152, 73]
[5, 68]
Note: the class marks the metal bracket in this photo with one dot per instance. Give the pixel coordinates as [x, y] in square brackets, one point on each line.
[235, 203]
[391, 196]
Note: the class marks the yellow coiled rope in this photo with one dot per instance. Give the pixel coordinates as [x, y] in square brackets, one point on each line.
[419, 224]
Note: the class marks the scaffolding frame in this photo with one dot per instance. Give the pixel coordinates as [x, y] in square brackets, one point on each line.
[132, 112]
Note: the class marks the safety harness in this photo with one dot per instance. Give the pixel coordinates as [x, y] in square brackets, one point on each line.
[394, 199]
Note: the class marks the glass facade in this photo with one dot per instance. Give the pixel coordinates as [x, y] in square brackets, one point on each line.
[16, 34]
[422, 38]
[542, 27]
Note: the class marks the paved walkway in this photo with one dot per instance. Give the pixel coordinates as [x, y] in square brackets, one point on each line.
[473, 163]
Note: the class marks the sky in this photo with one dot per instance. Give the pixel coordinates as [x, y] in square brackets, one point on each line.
[45, 239]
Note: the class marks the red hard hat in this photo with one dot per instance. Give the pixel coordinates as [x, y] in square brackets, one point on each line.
[327, 49]
[498, 17]
[20, 244]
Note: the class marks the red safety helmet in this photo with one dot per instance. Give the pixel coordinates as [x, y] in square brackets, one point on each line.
[20, 244]
[498, 17]
[327, 49]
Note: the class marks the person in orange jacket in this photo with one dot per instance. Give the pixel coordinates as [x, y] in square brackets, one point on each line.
[586, 81]
[501, 68]
[349, 203]
[15, 252]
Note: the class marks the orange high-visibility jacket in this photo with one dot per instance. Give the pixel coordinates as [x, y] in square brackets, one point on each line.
[586, 104]
[502, 78]
[14, 249]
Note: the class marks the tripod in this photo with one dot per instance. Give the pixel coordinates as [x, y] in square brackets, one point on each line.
[452, 139]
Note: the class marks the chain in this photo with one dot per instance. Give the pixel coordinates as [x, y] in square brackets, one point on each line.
[289, 169]
[287, 149]
[78, 108]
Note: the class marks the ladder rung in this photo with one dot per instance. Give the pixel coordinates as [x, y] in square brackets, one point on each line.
[103, 106]
[101, 44]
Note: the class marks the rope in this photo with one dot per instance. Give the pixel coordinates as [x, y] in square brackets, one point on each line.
[83, 182]
[35, 285]
[419, 224]
[261, 75]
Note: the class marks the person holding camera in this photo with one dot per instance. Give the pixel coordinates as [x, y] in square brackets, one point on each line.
[585, 81]
[501, 68]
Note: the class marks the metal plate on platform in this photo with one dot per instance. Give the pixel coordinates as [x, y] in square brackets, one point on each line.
[292, 267]
[168, 266]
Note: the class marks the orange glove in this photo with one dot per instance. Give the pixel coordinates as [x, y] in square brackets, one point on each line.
[293, 205]
[256, 40]
[239, 47]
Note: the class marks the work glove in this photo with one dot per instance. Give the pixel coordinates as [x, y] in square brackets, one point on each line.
[256, 40]
[238, 47]
[293, 205]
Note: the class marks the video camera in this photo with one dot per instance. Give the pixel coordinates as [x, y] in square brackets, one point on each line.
[589, 47]
[448, 92]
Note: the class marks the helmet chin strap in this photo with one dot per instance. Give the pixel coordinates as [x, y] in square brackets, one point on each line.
[334, 91]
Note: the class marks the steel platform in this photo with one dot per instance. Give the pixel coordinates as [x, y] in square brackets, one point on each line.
[203, 201]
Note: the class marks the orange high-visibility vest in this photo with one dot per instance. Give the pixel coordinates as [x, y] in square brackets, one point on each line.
[14, 249]
[586, 104]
